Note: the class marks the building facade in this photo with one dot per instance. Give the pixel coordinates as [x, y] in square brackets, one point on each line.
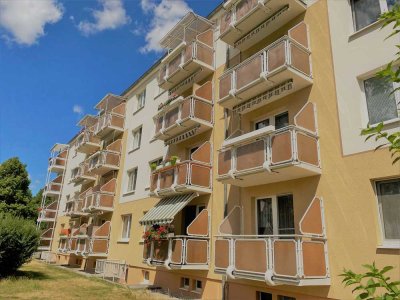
[250, 180]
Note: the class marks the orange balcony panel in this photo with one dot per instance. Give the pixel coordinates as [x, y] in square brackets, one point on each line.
[247, 22]
[99, 247]
[104, 161]
[109, 123]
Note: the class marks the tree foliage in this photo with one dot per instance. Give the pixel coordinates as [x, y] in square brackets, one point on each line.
[15, 195]
[373, 284]
[392, 74]
[19, 239]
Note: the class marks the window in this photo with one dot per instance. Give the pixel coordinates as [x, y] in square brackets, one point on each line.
[282, 120]
[141, 99]
[366, 12]
[126, 227]
[185, 283]
[136, 138]
[191, 151]
[198, 286]
[285, 298]
[146, 276]
[264, 296]
[261, 124]
[155, 163]
[275, 215]
[389, 208]
[381, 101]
[132, 177]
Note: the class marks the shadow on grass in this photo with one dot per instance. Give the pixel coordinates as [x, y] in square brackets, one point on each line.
[19, 275]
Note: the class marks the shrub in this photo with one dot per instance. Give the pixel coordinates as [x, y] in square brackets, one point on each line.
[19, 239]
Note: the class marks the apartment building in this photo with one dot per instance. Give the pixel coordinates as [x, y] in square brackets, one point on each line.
[242, 143]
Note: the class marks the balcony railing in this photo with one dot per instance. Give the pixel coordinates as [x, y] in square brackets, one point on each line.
[247, 22]
[185, 114]
[53, 188]
[99, 201]
[179, 252]
[184, 176]
[104, 161]
[99, 241]
[82, 175]
[48, 213]
[114, 269]
[87, 142]
[109, 122]
[73, 208]
[284, 259]
[185, 61]
[267, 155]
[286, 60]
[57, 163]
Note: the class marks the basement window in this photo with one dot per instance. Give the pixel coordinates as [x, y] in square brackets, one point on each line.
[185, 283]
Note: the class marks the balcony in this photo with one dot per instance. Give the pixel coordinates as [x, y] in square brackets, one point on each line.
[64, 245]
[100, 198]
[111, 117]
[81, 174]
[194, 113]
[266, 156]
[99, 241]
[53, 188]
[282, 68]
[104, 161]
[45, 239]
[193, 57]
[57, 163]
[48, 213]
[91, 240]
[193, 175]
[87, 142]
[298, 259]
[74, 207]
[189, 252]
[190, 45]
[247, 22]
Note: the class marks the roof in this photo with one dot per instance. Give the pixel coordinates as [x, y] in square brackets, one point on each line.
[166, 209]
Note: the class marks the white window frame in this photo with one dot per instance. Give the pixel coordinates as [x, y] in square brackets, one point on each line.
[129, 172]
[126, 218]
[270, 117]
[386, 243]
[183, 285]
[364, 105]
[274, 200]
[383, 6]
[141, 100]
[195, 288]
[137, 133]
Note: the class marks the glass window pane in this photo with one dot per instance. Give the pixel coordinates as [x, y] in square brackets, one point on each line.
[389, 201]
[282, 120]
[264, 296]
[262, 124]
[285, 214]
[365, 12]
[264, 216]
[381, 103]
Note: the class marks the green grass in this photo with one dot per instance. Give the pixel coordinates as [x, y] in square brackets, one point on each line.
[37, 280]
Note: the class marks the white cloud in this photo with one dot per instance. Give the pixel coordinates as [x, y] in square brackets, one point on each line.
[25, 20]
[111, 16]
[165, 15]
[77, 109]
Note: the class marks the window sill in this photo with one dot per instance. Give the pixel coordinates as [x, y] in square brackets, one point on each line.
[390, 245]
[136, 111]
[364, 30]
[123, 241]
[128, 193]
[387, 123]
[184, 289]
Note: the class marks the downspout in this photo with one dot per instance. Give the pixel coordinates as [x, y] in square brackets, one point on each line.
[224, 282]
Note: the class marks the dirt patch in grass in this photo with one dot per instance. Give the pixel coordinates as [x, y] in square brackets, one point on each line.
[37, 280]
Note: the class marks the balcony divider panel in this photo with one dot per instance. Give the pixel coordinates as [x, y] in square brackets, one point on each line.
[196, 251]
[257, 261]
[177, 251]
[281, 147]
[285, 262]
[222, 253]
[313, 259]
[307, 148]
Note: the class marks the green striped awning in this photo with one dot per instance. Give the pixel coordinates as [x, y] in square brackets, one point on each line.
[166, 209]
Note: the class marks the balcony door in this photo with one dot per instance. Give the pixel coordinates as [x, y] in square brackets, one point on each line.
[275, 215]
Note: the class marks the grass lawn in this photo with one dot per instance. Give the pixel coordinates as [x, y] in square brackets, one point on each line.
[37, 280]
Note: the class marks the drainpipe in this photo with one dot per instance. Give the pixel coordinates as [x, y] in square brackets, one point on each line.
[224, 277]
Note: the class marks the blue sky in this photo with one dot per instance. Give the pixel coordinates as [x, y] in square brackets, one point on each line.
[59, 58]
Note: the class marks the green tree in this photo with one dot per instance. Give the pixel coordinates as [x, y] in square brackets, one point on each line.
[373, 284]
[15, 195]
[19, 239]
[392, 74]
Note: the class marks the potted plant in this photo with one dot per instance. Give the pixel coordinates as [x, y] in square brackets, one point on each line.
[153, 166]
[173, 160]
[155, 233]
